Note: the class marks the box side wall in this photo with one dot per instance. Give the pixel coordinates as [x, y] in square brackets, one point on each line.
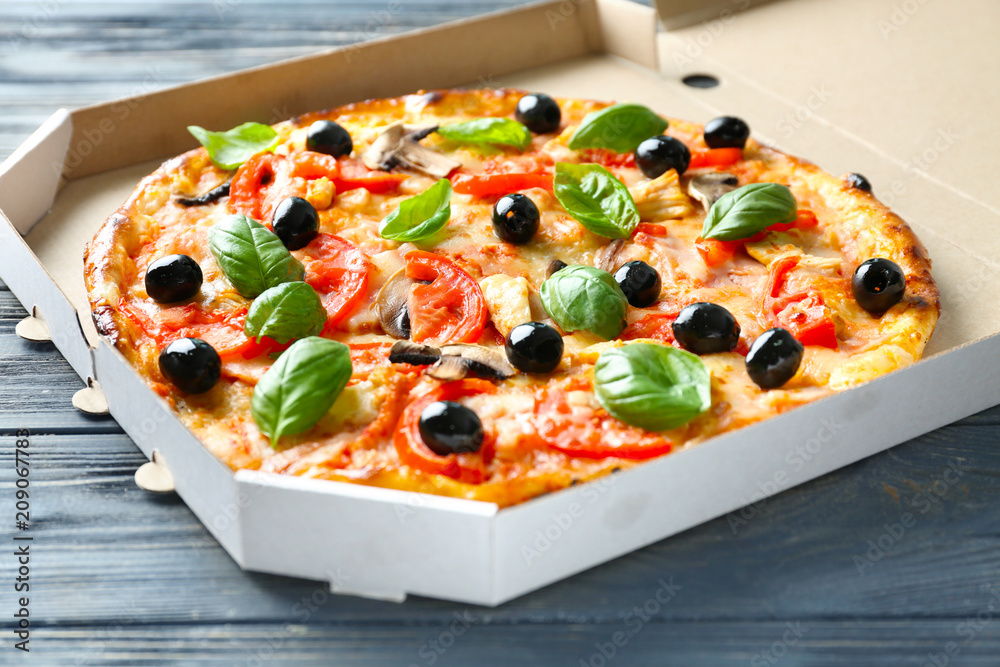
[551, 537]
[205, 484]
[379, 543]
[33, 286]
[30, 176]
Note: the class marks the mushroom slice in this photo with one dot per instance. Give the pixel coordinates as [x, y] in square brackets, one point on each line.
[482, 361]
[390, 305]
[453, 362]
[607, 256]
[708, 187]
[399, 146]
[405, 352]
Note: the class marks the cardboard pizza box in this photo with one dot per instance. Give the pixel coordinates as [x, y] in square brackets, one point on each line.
[853, 86]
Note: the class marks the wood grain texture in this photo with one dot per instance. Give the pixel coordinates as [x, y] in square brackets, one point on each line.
[121, 577]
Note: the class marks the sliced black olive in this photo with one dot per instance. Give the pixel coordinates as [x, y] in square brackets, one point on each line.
[173, 278]
[325, 136]
[515, 218]
[534, 347]
[191, 364]
[706, 328]
[447, 427]
[774, 358]
[878, 285]
[539, 113]
[212, 195]
[640, 282]
[859, 182]
[295, 222]
[555, 265]
[657, 155]
[726, 132]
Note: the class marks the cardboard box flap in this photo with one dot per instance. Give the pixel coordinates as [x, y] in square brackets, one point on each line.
[676, 14]
[29, 177]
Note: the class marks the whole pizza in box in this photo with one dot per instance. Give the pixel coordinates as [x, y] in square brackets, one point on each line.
[497, 294]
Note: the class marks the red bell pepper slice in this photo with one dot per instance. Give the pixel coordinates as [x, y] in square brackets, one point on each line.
[488, 185]
[715, 157]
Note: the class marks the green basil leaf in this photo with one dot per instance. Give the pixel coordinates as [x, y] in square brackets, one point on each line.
[300, 387]
[420, 216]
[493, 131]
[253, 258]
[582, 297]
[655, 387]
[598, 200]
[286, 312]
[745, 211]
[620, 128]
[230, 149]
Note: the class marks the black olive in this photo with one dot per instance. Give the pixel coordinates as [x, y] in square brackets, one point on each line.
[447, 427]
[656, 155]
[534, 347]
[726, 132]
[773, 358]
[555, 265]
[295, 222]
[539, 113]
[859, 182]
[191, 364]
[706, 328]
[515, 218]
[173, 278]
[640, 282]
[325, 136]
[878, 285]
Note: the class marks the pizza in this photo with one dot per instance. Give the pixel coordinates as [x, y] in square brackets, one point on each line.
[494, 294]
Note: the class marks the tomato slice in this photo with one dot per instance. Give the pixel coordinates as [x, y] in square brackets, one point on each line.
[466, 467]
[715, 157]
[657, 325]
[715, 253]
[451, 309]
[265, 179]
[498, 184]
[223, 331]
[588, 433]
[338, 272]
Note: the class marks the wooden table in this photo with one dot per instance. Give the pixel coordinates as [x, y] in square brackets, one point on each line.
[822, 574]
